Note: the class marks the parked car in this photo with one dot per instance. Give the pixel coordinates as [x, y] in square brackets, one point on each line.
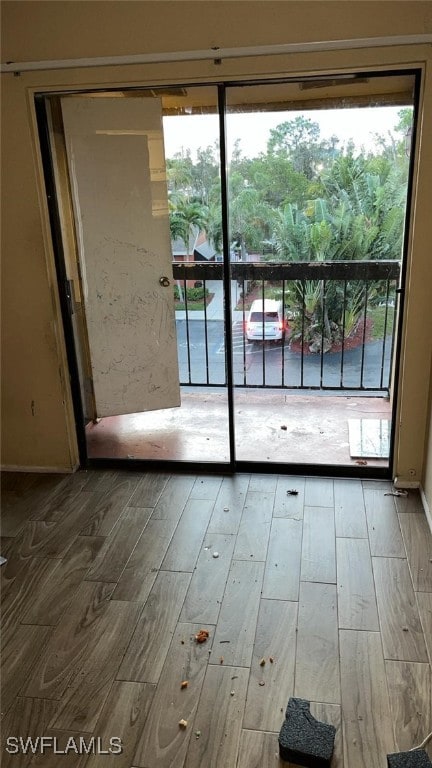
[265, 321]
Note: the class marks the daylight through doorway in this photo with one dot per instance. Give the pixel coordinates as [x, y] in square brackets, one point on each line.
[235, 259]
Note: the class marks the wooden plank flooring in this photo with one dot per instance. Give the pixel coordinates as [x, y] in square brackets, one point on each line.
[411, 714]
[367, 724]
[318, 561]
[317, 657]
[275, 644]
[401, 629]
[356, 591]
[325, 595]
[282, 572]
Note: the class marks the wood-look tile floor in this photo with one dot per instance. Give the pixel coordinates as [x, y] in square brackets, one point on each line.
[111, 574]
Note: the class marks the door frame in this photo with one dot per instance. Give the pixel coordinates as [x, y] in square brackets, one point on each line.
[233, 465]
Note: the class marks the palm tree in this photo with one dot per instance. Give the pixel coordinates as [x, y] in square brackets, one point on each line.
[291, 234]
[214, 226]
[186, 218]
[180, 172]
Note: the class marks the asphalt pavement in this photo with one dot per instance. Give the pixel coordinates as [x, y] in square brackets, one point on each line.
[201, 351]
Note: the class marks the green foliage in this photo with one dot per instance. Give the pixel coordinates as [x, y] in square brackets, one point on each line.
[276, 180]
[303, 199]
[379, 324]
[307, 296]
[291, 234]
[299, 141]
[353, 308]
[249, 220]
[192, 294]
[406, 117]
[186, 216]
[205, 174]
[180, 172]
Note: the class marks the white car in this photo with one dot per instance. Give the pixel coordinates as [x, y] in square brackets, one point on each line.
[265, 323]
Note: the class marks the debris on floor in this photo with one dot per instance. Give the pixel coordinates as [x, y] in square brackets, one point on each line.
[215, 554]
[3, 560]
[284, 427]
[261, 682]
[271, 659]
[202, 636]
[303, 740]
[197, 734]
[262, 662]
[183, 723]
[221, 660]
[292, 492]
[417, 758]
[361, 462]
[404, 494]
[184, 684]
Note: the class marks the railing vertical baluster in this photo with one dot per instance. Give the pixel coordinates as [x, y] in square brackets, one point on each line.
[343, 332]
[303, 282]
[283, 334]
[206, 334]
[361, 277]
[323, 309]
[393, 336]
[263, 334]
[364, 334]
[385, 332]
[244, 331]
[187, 328]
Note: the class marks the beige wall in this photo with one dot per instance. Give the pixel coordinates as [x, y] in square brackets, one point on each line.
[38, 425]
[60, 30]
[36, 430]
[427, 473]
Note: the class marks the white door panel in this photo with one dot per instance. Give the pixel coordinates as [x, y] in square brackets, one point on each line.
[117, 171]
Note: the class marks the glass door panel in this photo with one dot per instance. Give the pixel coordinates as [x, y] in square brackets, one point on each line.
[317, 191]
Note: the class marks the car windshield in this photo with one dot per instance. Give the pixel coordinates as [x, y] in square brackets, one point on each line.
[269, 317]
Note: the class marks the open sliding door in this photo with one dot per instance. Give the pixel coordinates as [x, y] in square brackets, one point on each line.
[245, 243]
[116, 164]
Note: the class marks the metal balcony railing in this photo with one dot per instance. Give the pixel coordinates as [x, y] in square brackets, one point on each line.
[338, 334]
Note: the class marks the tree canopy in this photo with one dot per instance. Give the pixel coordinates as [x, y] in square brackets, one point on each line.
[304, 198]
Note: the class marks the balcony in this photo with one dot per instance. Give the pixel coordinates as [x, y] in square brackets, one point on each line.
[323, 351]
[297, 400]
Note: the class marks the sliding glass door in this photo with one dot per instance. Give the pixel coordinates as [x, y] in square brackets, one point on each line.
[234, 261]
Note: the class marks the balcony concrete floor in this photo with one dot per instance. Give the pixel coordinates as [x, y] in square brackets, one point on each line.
[316, 429]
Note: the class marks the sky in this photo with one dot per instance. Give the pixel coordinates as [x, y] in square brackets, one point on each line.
[253, 129]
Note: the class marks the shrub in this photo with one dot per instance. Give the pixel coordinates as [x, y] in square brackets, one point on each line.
[192, 294]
